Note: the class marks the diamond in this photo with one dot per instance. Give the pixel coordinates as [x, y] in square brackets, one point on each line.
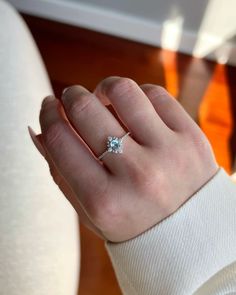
[114, 144]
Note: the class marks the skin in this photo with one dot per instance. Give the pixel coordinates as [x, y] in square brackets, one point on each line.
[166, 159]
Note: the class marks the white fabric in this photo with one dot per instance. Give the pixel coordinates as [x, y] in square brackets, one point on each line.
[193, 251]
[39, 234]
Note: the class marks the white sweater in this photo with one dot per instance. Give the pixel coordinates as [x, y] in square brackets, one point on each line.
[193, 251]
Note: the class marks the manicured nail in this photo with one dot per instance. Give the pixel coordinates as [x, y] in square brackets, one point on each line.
[36, 142]
[64, 91]
[48, 99]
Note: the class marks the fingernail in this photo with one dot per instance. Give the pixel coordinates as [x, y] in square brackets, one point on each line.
[64, 90]
[36, 142]
[48, 99]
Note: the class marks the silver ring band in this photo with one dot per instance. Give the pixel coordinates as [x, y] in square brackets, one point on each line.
[114, 145]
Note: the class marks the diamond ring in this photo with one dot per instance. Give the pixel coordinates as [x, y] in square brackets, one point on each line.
[114, 145]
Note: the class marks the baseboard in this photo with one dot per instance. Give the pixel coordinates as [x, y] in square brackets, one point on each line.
[125, 26]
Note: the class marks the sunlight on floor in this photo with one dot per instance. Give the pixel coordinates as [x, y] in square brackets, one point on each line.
[169, 62]
[171, 33]
[216, 118]
[214, 112]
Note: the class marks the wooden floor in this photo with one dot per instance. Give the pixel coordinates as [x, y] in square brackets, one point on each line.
[207, 91]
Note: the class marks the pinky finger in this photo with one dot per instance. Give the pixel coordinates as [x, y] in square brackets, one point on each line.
[71, 196]
[62, 184]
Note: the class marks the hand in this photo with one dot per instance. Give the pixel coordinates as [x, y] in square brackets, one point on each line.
[166, 159]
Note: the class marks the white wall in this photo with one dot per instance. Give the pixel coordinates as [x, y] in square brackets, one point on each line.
[205, 28]
[157, 10]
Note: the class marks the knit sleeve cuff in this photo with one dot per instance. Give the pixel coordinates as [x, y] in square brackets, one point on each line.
[183, 251]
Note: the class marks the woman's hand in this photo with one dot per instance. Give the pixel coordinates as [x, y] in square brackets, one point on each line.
[166, 159]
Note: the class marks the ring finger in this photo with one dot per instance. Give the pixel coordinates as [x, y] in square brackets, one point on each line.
[94, 123]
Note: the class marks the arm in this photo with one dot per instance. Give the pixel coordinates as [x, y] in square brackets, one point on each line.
[193, 251]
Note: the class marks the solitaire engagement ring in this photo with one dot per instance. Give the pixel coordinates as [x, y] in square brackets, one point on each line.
[114, 145]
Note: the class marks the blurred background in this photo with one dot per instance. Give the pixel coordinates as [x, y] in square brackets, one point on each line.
[189, 47]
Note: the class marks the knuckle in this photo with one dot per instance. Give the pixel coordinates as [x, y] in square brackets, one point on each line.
[56, 177]
[143, 176]
[79, 104]
[150, 182]
[103, 209]
[200, 143]
[204, 150]
[119, 86]
[53, 134]
[45, 111]
[154, 91]
[159, 88]
[69, 90]
[153, 187]
[106, 213]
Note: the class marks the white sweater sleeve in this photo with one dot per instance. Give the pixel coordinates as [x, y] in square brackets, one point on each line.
[193, 251]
